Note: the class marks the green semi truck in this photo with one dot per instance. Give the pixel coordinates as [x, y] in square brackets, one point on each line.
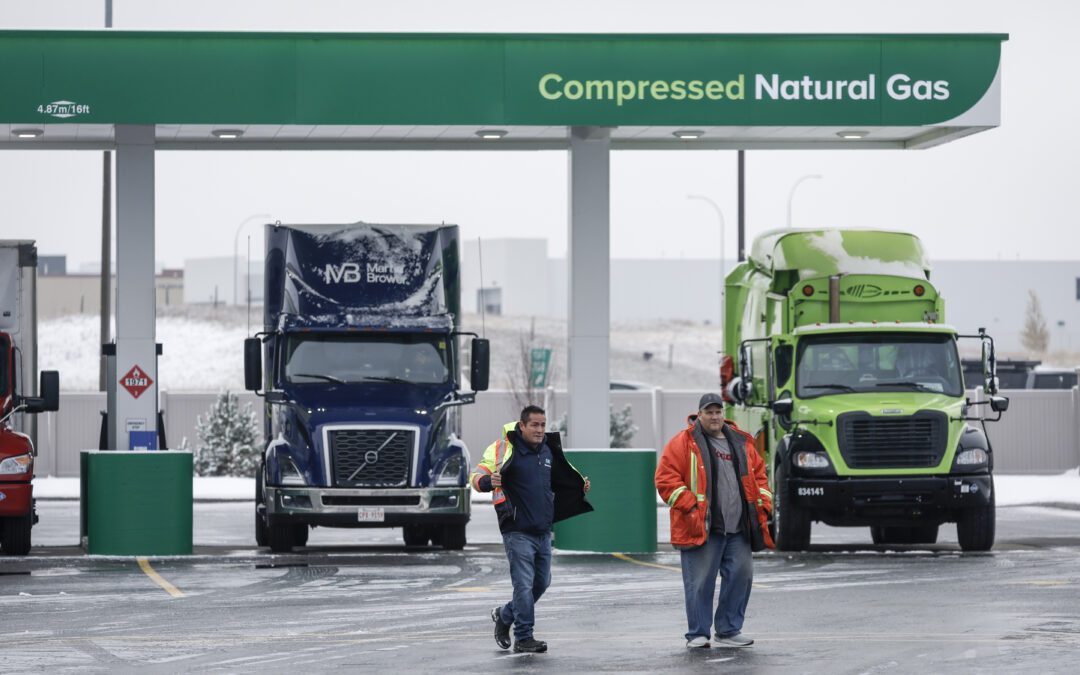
[837, 358]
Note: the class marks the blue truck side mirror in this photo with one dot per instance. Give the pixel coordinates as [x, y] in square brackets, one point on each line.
[478, 371]
[252, 364]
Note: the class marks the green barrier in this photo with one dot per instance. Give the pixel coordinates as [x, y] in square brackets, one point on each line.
[136, 502]
[624, 497]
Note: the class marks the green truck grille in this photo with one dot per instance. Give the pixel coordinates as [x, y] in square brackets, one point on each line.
[868, 442]
[371, 457]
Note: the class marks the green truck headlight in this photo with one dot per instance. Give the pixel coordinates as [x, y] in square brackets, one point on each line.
[811, 460]
[972, 457]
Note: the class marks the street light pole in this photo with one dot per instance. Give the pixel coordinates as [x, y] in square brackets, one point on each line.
[236, 253]
[791, 195]
[720, 216]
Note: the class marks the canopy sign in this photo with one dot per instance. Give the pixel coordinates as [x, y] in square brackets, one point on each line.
[449, 79]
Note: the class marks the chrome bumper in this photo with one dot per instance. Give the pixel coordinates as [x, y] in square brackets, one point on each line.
[398, 505]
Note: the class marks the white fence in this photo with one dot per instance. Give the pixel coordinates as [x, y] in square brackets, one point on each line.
[1040, 433]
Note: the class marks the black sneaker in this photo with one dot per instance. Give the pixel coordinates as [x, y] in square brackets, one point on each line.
[530, 645]
[502, 630]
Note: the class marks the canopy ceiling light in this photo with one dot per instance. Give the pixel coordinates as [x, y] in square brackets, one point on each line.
[26, 133]
[853, 133]
[688, 134]
[491, 134]
[228, 134]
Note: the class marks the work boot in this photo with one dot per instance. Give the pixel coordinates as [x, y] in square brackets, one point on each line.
[530, 645]
[502, 630]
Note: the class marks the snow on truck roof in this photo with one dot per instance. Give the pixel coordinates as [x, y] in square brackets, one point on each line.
[827, 252]
[882, 326]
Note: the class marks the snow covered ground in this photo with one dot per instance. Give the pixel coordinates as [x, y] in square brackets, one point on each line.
[1011, 490]
[202, 349]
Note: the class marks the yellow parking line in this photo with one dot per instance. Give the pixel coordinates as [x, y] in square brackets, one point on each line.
[623, 556]
[169, 588]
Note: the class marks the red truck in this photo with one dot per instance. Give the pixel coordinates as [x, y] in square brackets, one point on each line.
[18, 363]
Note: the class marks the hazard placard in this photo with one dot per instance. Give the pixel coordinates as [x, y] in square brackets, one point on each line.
[136, 381]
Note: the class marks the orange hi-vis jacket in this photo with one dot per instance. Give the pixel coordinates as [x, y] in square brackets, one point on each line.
[682, 479]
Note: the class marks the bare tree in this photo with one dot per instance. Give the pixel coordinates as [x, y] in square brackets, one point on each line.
[1035, 337]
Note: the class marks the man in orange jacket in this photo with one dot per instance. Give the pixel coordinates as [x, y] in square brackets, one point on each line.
[713, 479]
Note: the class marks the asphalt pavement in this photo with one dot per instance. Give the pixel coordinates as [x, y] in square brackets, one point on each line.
[359, 601]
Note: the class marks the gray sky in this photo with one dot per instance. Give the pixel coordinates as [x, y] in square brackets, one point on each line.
[1007, 193]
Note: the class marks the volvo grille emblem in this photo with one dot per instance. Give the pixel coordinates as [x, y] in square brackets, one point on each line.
[371, 456]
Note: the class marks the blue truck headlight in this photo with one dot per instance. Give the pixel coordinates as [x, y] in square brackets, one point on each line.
[811, 460]
[290, 474]
[450, 474]
[19, 464]
[971, 457]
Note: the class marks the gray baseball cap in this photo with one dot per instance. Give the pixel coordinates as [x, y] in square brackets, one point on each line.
[710, 399]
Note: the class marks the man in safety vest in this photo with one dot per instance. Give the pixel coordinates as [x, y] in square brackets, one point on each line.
[713, 479]
[534, 486]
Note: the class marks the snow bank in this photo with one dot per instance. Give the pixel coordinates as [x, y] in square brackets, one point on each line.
[1011, 490]
[202, 349]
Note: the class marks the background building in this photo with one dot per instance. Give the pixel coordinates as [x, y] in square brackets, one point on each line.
[515, 277]
[223, 280]
[61, 294]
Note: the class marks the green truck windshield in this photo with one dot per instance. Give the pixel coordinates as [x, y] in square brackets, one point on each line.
[383, 357]
[877, 362]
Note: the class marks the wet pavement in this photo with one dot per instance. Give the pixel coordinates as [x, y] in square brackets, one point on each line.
[359, 601]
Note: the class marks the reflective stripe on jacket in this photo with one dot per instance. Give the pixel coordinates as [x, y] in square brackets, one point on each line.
[566, 481]
[682, 482]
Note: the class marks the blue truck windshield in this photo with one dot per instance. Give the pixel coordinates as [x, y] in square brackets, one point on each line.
[365, 357]
[858, 363]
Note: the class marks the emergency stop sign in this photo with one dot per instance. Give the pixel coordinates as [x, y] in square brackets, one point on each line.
[136, 381]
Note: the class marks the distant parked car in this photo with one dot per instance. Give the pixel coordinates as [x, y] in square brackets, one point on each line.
[629, 385]
[1011, 373]
[1052, 378]
[1020, 374]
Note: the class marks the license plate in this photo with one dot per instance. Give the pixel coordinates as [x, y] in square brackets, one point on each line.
[371, 515]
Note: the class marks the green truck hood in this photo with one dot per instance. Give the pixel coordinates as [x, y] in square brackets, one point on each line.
[890, 404]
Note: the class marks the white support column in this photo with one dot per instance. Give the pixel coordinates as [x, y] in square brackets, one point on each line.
[136, 353]
[589, 287]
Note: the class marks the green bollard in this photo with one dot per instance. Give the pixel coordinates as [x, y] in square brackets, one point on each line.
[624, 497]
[136, 502]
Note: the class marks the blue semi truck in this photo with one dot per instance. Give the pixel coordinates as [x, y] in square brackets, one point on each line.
[359, 366]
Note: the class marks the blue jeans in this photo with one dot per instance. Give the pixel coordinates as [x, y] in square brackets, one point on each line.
[728, 554]
[530, 572]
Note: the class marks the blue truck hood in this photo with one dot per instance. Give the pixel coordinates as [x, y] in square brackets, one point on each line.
[368, 403]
